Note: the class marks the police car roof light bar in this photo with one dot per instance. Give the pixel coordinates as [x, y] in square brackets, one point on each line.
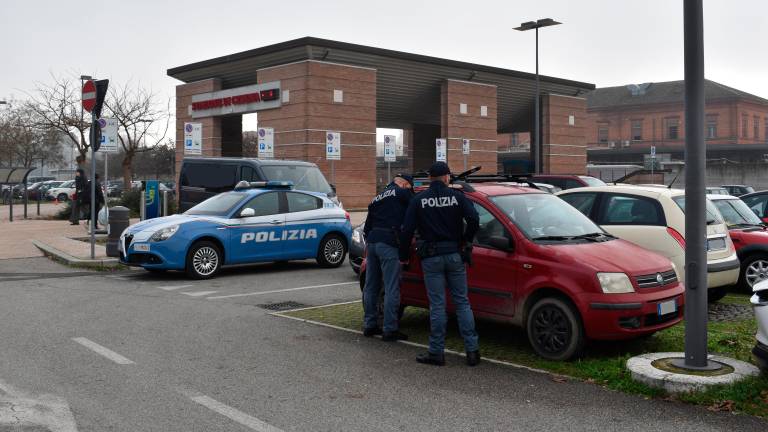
[273, 184]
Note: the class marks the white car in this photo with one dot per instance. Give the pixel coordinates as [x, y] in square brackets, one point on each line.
[760, 305]
[64, 192]
[653, 217]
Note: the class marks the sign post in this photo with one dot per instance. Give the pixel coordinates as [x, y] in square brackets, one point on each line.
[108, 145]
[193, 138]
[333, 151]
[441, 150]
[390, 153]
[465, 150]
[93, 94]
[266, 143]
[653, 159]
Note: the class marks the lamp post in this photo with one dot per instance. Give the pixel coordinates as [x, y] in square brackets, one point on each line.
[535, 25]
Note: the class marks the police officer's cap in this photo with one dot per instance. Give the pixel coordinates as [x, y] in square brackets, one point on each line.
[406, 177]
[439, 169]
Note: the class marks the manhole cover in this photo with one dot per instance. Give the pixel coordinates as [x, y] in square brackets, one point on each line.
[728, 312]
[282, 306]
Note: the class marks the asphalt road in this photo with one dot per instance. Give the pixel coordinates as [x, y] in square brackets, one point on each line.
[131, 351]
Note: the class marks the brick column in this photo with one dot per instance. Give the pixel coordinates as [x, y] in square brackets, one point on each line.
[563, 133]
[477, 123]
[302, 121]
[211, 125]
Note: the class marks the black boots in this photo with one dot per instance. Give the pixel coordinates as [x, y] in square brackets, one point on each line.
[393, 336]
[473, 358]
[431, 359]
[373, 331]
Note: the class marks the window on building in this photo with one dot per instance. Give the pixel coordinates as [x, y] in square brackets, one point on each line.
[711, 127]
[744, 125]
[673, 128]
[756, 127]
[514, 141]
[602, 134]
[637, 130]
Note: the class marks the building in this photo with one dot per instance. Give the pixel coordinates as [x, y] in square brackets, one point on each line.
[307, 87]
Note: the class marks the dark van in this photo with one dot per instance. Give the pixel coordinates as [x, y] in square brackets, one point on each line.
[203, 177]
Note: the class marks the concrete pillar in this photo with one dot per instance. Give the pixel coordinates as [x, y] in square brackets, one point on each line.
[563, 134]
[468, 110]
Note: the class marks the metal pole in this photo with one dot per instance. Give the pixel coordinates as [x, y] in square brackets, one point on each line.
[106, 182]
[38, 201]
[389, 171]
[333, 172]
[537, 144]
[93, 188]
[10, 209]
[26, 198]
[165, 203]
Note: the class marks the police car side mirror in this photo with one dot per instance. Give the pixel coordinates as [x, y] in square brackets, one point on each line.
[501, 243]
[248, 212]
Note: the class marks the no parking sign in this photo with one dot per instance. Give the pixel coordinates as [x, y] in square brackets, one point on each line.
[390, 148]
[193, 138]
[441, 150]
[333, 146]
[266, 143]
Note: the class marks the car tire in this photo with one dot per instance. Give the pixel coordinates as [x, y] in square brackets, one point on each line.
[203, 260]
[753, 269]
[715, 294]
[332, 251]
[62, 197]
[555, 330]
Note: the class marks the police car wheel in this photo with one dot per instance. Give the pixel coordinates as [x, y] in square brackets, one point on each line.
[332, 251]
[555, 330]
[203, 260]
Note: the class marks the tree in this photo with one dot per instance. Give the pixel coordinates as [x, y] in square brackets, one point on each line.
[24, 141]
[142, 121]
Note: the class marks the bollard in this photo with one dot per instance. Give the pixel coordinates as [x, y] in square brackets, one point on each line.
[118, 222]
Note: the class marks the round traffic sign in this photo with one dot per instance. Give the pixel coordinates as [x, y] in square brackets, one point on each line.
[89, 95]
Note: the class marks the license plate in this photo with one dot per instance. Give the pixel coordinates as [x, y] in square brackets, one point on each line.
[667, 307]
[141, 247]
[715, 244]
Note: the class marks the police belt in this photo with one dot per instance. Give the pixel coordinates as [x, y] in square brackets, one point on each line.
[427, 249]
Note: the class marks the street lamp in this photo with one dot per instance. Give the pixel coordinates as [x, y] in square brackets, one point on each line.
[535, 25]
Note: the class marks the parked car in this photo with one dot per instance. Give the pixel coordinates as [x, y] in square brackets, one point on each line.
[760, 305]
[202, 178]
[715, 190]
[540, 264]
[257, 222]
[750, 237]
[654, 218]
[357, 248]
[758, 202]
[738, 190]
[564, 181]
[63, 192]
[48, 185]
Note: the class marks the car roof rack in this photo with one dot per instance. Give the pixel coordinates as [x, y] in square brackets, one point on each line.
[467, 178]
[274, 184]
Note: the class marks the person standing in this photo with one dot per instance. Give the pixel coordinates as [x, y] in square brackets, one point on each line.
[438, 214]
[99, 200]
[382, 235]
[80, 183]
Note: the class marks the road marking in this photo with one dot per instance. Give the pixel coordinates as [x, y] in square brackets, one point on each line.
[171, 288]
[282, 290]
[199, 293]
[98, 349]
[234, 414]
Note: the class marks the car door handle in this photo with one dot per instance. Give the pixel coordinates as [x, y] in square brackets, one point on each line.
[275, 222]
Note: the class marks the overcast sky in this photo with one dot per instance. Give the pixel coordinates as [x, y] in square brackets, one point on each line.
[605, 42]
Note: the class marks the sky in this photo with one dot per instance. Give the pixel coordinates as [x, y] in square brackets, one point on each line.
[605, 42]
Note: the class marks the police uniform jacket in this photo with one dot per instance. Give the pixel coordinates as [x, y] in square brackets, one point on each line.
[385, 215]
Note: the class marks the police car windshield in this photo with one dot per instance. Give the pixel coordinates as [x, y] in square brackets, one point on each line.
[304, 177]
[544, 216]
[219, 205]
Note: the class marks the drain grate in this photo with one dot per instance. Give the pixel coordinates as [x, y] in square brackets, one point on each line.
[728, 312]
[282, 306]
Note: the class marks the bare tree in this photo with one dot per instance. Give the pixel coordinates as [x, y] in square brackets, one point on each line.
[142, 119]
[24, 141]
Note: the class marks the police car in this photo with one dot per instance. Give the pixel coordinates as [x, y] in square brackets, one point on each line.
[257, 222]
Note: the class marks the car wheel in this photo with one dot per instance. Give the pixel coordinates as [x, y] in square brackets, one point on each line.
[203, 260]
[332, 251]
[62, 197]
[754, 269]
[715, 294]
[555, 330]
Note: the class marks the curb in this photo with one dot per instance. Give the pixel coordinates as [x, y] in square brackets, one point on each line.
[57, 255]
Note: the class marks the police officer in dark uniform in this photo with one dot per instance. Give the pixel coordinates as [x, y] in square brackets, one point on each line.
[444, 248]
[382, 235]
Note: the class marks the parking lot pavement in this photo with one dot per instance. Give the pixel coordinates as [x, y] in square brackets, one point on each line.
[132, 351]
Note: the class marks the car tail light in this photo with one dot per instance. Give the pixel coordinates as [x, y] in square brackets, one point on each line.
[677, 236]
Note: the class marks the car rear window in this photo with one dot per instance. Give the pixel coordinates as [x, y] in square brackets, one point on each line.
[304, 177]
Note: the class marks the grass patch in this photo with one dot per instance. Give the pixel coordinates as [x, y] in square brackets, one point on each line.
[604, 362]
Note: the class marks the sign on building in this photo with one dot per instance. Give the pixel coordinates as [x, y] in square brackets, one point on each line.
[441, 150]
[237, 100]
[108, 128]
[465, 146]
[390, 148]
[193, 138]
[266, 143]
[333, 146]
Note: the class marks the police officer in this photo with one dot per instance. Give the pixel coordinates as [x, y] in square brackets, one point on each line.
[444, 247]
[77, 203]
[382, 234]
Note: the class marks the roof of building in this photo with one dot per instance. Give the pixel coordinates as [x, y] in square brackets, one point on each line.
[661, 93]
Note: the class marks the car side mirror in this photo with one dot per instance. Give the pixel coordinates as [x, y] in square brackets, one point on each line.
[501, 243]
[248, 212]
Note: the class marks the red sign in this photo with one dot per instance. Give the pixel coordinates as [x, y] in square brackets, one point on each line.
[89, 95]
[244, 99]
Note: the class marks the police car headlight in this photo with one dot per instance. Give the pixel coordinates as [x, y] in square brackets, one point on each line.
[356, 236]
[615, 283]
[164, 234]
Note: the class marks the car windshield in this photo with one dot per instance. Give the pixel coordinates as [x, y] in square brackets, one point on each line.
[304, 177]
[545, 217]
[591, 181]
[736, 213]
[219, 205]
[713, 215]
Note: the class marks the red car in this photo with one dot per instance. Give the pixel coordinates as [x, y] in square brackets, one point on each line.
[750, 238]
[540, 264]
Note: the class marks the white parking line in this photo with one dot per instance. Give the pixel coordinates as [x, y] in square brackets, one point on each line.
[199, 293]
[234, 414]
[171, 288]
[98, 349]
[282, 290]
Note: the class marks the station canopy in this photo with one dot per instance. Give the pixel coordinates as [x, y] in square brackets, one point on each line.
[14, 175]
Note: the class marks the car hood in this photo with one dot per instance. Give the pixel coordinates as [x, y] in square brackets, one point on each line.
[618, 256]
[156, 224]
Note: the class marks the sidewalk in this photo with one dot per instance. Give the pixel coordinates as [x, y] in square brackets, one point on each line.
[47, 210]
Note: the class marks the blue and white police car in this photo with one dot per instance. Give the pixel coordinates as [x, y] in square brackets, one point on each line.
[257, 222]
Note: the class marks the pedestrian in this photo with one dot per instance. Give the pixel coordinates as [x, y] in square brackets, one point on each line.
[99, 200]
[438, 214]
[382, 235]
[75, 211]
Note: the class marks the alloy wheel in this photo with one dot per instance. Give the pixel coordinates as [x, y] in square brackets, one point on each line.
[756, 272]
[205, 260]
[333, 251]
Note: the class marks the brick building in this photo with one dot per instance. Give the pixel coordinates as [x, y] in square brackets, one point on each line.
[316, 86]
[624, 122]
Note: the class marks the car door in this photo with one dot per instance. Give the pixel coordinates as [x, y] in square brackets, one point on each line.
[759, 205]
[304, 225]
[258, 237]
[635, 218]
